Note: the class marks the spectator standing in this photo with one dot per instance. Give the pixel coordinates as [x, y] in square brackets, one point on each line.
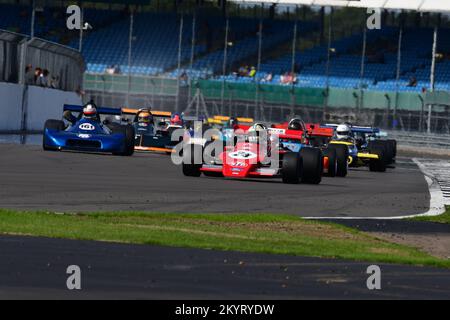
[29, 75]
[37, 74]
[109, 70]
[252, 72]
[268, 77]
[412, 82]
[54, 82]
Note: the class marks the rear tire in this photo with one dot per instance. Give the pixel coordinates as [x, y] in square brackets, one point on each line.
[341, 159]
[191, 153]
[393, 144]
[380, 164]
[291, 168]
[312, 165]
[386, 146]
[129, 133]
[330, 153]
[56, 125]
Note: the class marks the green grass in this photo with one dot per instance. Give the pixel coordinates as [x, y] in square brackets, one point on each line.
[443, 218]
[264, 233]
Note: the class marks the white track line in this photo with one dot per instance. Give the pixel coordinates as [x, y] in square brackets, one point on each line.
[438, 179]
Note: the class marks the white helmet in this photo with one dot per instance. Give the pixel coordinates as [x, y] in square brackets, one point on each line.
[257, 127]
[343, 131]
[89, 110]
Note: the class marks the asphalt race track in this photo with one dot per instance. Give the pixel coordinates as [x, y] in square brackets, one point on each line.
[36, 268]
[32, 179]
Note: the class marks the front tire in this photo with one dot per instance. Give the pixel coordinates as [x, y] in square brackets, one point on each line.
[341, 159]
[129, 133]
[312, 165]
[330, 153]
[191, 154]
[377, 165]
[291, 168]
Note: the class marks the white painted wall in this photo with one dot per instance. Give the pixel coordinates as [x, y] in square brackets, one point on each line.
[10, 106]
[43, 104]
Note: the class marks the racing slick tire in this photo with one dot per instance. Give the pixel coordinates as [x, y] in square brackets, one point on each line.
[380, 164]
[388, 149]
[341, 159]
[57, 125]
[113, 126]
[312, 161]
[129, 133]
[291, 169]
[191, 153]
[393, 143]
[330, 153]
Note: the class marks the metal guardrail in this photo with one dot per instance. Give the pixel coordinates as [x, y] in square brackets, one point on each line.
[441, 141]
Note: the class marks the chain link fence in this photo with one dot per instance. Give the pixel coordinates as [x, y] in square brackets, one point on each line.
[271, 105]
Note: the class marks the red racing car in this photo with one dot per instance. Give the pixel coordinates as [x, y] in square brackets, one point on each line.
[296, 135]
[246, 159]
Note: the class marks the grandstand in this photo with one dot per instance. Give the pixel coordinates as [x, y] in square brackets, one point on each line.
[156, 36]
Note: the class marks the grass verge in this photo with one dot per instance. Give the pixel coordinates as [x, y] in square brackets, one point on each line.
[263, 233]
[443, 218]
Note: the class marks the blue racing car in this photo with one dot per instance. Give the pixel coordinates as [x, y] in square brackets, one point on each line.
[86, 132]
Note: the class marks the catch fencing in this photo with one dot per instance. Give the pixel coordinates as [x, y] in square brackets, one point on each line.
[402, 111]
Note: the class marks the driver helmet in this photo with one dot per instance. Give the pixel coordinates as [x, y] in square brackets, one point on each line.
[258, 127]
[256, 131]
[145, 117]
[176, 120]
[343, 132]
[232, 122]
[295, 124]
[90, 110]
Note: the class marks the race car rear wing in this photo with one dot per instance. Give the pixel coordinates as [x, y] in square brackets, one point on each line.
[316, 130]
[167, 114]
[100, 110]
[360, 129]
[239, 119]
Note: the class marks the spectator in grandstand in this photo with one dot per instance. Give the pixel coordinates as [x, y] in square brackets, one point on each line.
[54, 82]
[29, 75]
[268, 77]
[243, 71]
[109, 70]
[412, 82]
[252, 72]
[184, 76]
[117, 69]
[283, 78]
[37, 74]
[45, 78]
[184, 79]
[288, 78]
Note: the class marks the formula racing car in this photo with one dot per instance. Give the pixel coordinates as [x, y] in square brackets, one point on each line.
[365, 146]
[153, 129]
[296, 135]
[84, 131]
[245, 160]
